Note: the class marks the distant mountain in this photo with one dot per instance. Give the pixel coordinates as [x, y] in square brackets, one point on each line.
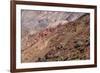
[35, 21]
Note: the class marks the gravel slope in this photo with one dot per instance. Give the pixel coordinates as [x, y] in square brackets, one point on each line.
[68, 40]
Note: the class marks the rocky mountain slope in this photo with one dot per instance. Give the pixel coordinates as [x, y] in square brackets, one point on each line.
[34, 21]
[60, 40]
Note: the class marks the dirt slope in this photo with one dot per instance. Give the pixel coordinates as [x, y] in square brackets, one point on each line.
[67, 41]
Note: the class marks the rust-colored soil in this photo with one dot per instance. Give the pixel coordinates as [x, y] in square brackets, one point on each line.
[70, 41]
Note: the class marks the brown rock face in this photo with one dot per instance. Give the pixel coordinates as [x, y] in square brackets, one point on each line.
[61, 40]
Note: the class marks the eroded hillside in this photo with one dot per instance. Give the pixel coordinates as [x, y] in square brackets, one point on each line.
[67, 40]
